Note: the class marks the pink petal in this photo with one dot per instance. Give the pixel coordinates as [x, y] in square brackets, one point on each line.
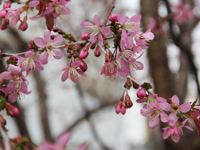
[65, 68]
[38, 65]
[172, 119]
[29, 54]
[86, 24]
[142, 100]
[129, 42]
[49, 10]
[12, 97]
[154, 104]
[40, 42]
[175, 138]
[93, 39]
[34, 3]
[47, 36]
[6, 75]
[166, 133]
[185, 107]
[165, 106]
[81, 72]
[76, 63]
[160, 99]
[154, 122]
[105, 30]
[122, 19]
[137, 49]
[35, 18]
[62, 140]
[100, 40]
[15, 69]
[97, 20]
[175, 100]
[11, 87]
[44, 57]
[65, 76]
[164, 117]
[57, 53]
[135, 18]
[58, 40]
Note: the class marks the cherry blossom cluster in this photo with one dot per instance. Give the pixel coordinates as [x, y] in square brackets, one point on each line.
[168, 111]
[50, 10]
[122, 33]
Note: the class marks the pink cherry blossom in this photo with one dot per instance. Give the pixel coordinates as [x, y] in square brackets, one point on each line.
[109, 69]
[17, 83]
[126, 41]
[96, 30]
[14, 15]
[72, 72]
[154, 110]
[148, 35]
[131, 25]
[113, 18]
[51, 48]
[29, 63]
[184, 108]
[174, 132]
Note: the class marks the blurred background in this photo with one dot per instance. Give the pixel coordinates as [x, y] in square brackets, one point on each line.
[87, 109]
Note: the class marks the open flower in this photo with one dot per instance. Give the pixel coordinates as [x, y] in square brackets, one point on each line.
[29, 63]
[109, 69]
[131, 25]
[14, 15]
[17, 83]
[71, 71]
[96, 30]
[51, 48]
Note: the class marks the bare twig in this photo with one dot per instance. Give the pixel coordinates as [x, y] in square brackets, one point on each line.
[112, 6]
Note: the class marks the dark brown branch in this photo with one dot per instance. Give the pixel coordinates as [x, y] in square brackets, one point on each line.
[112, 6]
[183, 47]
[40, 86]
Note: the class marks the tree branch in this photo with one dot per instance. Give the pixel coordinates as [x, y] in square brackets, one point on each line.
[112, 6]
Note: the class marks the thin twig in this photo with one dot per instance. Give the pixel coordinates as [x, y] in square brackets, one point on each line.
[112, 6]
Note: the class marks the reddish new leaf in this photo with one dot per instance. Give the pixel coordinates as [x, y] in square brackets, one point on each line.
[41, 7]
[49, 22]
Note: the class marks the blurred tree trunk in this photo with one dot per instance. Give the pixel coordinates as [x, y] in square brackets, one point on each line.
[165, 83]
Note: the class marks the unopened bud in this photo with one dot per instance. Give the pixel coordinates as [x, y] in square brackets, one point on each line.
[141, 93]
[135, 85]
[2, 121]
[128, 101]
[11, 110]
[97, 52]
[92, 46]
[84, 36]
[83, 54]
[23, 26]
[7, 4]
[3, 13]
[83, 66]
[113, 18]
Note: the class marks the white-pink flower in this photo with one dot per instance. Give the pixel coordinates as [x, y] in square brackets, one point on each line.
[71, 71]
[51, 48]
[14, 15]
[96, 30]
[29, 63]
[131, 25]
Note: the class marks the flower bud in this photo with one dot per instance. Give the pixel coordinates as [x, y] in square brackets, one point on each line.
[92, 46]
[23, 26]
[83, 66]
[84, 36]
[113, 18]
[2, 13]
[120, 108]
[97, 52]
[128, 102]
[141, 93]
[11, 110]
[84, 52]
[7, 4]
[135, 85]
